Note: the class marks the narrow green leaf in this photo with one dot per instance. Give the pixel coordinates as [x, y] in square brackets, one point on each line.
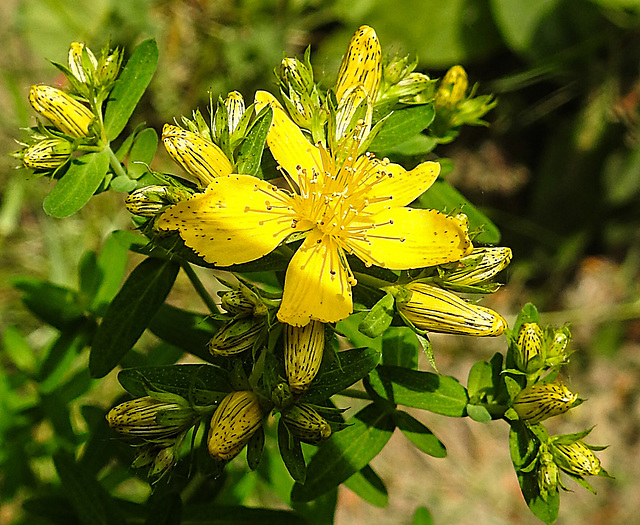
[444, 197]
[236, 515]
[402, 126]
[129, 88]
[291, 452]
[97, 451]
[189, 331]
[112, 263]
[142, 153]
[130, 313]
[419, 435]
[250, 151]
[91, 502]
[379, 318]
[77, 185]
[204, 384]
[351, 366]
[346, 452]
[18, 350]
[53, 304]
[436, 393]
[368, 485]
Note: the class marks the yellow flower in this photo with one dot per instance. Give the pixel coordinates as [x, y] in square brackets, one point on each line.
[436, 310]
[235, 420]
[356, 207]
[199, 157]
[303, 349]
[65, 113]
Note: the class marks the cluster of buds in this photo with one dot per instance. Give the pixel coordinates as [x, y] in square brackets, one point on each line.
[433, 309]
[401, 83]
[158, 425]
[246, 329]
[542, 401]
[91, 76]
[535, 350]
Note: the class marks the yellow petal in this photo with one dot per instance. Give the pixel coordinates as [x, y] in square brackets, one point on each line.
[238, 219]
[410, 238]
[396, 186]
[317, 285]
[286, 142]
[361, 64]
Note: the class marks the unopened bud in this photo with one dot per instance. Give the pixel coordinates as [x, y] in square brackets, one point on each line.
[436, 310]
[151, 200]
[306, 424]
[453, 88]
[576, 458]
[528, 352]
[303, 349]
[47, 154]
[233, 423]
[548, 474]
[236, 336]
[198, 156]
[557, 349]
[109, 66]
[66, 114]
[361, 64]
[78, 65]
[480, 266]
[235, 109]
[539, 402]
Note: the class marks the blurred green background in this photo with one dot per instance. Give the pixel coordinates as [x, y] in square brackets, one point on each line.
[558, 171]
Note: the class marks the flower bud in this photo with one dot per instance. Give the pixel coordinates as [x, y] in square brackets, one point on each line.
[306, 424]
[539, 402]
[78, 65]
[235, 109]
[482, 265]
[453, 88]
[353, 118]
[548, 474]
[109, 66]
[242, 302]
[557, 350]
[528, 352]
[47, 154]
[199, 157]
[296, 74]
[236, 336]
[236, 419]
[361, 64]
[436, 310]
[139, 418]
[151, 200]
[303, 349]
[576, 458]
[66, 114]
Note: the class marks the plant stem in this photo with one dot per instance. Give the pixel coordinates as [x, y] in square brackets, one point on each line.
[372, 282]
[199, 287]
[115, 164]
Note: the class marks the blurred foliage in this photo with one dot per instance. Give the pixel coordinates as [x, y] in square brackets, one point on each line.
[558, 171]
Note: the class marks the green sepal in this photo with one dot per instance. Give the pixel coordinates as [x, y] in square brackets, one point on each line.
[291, 452]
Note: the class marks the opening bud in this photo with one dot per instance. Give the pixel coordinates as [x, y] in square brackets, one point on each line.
[303, 349]
[65, 113]
[539, 402]
[306, 424]
[436, 310]
[199, 157]
[236, 419]
[82, 62]
[483, 264]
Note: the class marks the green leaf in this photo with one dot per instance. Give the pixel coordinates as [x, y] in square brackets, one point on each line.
[77, 185]
[123, 184]
[142, 153]
[53, 304]
[129, 88]
[444, 197]
[91, 502]
[291, 452]
[480, 380]
[96, 451]
[416, 146]
[189, 331]
[346, 452]
[400, 347]
[112, 263]
[130, 313]
[478, 413]
[422, 517]
[436, 393]
[379, 318]
[204, 384]
[250, 151]
[351, 366]
[209, 514]
[18, 350]
[419, 435]
[401, 126]
[368, 485]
